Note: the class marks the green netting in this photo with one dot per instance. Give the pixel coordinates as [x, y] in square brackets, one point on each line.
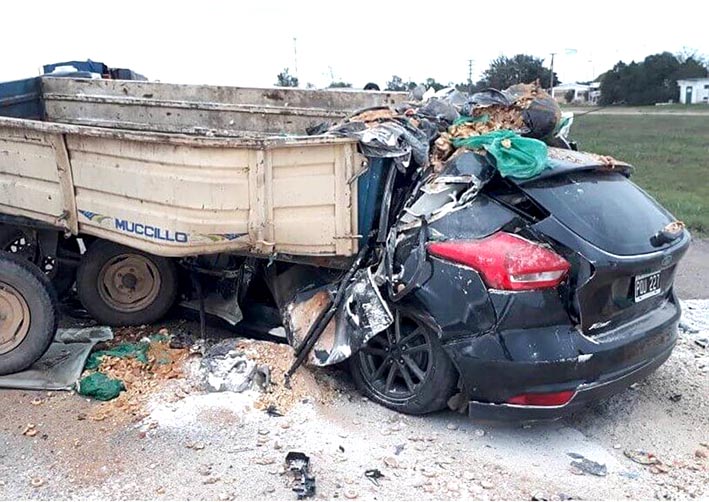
[99, 386]
[138, 351]
[464, 119]
[514, 155]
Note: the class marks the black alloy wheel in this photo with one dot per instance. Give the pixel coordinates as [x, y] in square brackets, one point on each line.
[405, 367]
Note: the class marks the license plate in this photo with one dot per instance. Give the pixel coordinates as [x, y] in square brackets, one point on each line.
[647, 285]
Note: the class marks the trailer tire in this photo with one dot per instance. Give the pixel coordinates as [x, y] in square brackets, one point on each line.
[121, 286]
[28, 313]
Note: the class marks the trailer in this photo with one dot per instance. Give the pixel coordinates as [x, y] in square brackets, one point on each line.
[136, 192]
[180, 170]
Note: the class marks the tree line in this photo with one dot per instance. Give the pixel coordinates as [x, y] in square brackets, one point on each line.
[653, 80]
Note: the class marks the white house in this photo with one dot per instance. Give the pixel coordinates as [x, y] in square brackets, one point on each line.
[694, 90]
[582, 93]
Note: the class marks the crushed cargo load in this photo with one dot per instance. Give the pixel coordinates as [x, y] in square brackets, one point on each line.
[444, 148]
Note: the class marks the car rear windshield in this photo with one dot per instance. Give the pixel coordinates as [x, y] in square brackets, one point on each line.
[604, 208]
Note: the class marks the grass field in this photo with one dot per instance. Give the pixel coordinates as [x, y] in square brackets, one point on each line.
[670, 108]
[670, 155]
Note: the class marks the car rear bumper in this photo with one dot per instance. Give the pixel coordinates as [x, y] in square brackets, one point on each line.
[497, 366]
[585, 394]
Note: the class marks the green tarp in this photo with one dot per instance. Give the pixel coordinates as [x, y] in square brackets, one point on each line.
[138, 351]
[514, 155]
[99, 386]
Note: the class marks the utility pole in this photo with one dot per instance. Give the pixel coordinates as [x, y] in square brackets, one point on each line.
[295, 56]
[470, 75]
[551, 79]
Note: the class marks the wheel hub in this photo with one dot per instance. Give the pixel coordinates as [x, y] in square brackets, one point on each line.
[14, 318]
[397, 362]
[129, 282]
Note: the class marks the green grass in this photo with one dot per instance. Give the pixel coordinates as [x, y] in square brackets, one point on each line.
[670, 155]
[670, 108]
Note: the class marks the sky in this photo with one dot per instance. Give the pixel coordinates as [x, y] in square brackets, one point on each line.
[249, 43]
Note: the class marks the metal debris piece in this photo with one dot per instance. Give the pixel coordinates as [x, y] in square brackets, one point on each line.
[374, 475]
[587, 466]
[641, 457]
[298, 464]
[272, 411]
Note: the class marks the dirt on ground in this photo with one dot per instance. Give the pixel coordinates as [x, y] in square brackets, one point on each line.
[178, 441]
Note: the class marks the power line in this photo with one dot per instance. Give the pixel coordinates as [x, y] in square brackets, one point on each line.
[551, 78]
[295, 56]
[470, 75]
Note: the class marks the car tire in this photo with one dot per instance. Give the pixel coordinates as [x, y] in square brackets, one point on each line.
[16, 240]
[415, 350]
[121, 286]
[28, 313]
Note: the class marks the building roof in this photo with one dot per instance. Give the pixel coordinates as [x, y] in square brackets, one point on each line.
[579, 87]
[695, 79]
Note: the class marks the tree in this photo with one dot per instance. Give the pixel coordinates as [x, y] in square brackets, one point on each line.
[285, 79]
[692, 67]
[431, 82]
[397, 84]
[339, 85]
[520, 69]
[651, 81]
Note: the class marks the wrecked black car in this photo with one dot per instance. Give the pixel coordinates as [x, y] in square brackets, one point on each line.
[506, 293]
[532, 299]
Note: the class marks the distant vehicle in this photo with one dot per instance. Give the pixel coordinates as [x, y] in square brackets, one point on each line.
[89, 69]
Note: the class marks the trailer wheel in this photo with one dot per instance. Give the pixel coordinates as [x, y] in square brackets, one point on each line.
[405, 367]
[28, 314]
[22, 243]
[120, 286]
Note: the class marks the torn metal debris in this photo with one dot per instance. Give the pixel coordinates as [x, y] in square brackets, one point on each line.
[298, 465]
[229, 369]
[584, 465]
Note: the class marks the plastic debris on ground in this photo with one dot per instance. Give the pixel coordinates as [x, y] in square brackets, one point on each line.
[229, 369]
[240, 365]
[99, 386]
[61, 366]
[125, 374]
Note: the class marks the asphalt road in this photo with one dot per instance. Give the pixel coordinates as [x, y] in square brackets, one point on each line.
[692, 279]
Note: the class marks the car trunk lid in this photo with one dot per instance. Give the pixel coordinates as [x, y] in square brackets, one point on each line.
[620, 271]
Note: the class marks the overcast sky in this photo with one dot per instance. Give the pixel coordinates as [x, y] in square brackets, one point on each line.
[249, 43]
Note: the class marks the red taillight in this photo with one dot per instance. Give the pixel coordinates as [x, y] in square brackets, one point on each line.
[545, 399]
[506, 261]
